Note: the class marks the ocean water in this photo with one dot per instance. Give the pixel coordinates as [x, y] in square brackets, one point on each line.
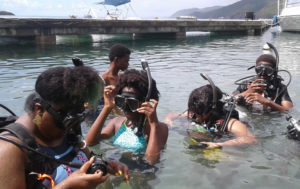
[176, 66]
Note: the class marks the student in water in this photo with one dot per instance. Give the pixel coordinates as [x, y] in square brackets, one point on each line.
[43, 148]
[265, 91]
[141, 116]
[207, 115]
[119, 56]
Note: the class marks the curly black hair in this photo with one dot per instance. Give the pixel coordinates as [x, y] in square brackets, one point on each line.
[72, 86]
[118, 50]
[139, 81]
[201, 100]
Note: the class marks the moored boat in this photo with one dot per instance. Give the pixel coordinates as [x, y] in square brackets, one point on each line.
[289, 19]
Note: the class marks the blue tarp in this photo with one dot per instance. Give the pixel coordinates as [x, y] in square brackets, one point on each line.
[114, 2]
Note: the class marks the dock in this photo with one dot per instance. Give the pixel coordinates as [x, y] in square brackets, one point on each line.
[44, 30]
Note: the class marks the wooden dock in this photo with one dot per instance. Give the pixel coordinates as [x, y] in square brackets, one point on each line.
[45, 29]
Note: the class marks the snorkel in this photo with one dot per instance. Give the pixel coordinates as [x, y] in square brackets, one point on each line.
[138, 130]
[276, 56]
[213, 88]
[230, 103]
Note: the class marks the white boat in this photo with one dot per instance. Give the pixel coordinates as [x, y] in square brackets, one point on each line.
[116, 13]
[289, 19]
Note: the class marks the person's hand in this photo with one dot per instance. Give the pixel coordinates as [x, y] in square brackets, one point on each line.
[211, 145]
[118, 169]
[149, 109]
[108, 95]
[255, 97]
[81, 180]
[256, 86]
[170, 117]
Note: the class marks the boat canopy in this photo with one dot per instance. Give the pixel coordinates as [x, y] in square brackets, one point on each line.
[291, 2]
[114, 2]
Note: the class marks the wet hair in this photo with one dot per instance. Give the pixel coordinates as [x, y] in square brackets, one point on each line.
[118, 50]
[139, 81]
[70, 86]
[201, 100]
[267, 58]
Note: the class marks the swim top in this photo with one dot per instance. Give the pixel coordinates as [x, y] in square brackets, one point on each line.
[126, 138]
[61, 152]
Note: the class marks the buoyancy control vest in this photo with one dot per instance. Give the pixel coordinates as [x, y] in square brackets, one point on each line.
[39, 166]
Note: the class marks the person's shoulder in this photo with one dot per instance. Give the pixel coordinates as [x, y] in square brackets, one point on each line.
[13, 164]
[164, 126]
[11, 152]
[117, 120]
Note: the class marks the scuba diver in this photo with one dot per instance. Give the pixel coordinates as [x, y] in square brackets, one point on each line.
[139, 131]
[207, 114]
[265, 91]
[293, 128]
[43, 147]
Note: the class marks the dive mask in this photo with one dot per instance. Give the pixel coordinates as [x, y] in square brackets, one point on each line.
[264, 70]
[127, 103]
[66, 119]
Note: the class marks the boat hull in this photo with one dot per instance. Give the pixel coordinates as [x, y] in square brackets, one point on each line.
[290, 23]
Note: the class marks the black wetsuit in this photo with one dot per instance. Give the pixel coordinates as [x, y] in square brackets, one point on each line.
[277, 94]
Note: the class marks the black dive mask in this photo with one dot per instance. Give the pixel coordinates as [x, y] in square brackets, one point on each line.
[264, 70]
[127, 102]
[66, 119]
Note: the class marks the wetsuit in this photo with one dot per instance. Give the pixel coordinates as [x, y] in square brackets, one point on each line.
[126, 138]
[280, 93]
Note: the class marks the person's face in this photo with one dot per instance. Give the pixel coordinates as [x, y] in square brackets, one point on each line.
[48, 126]
[198, 118]
[129, 92]
[57, 120]
[123, 62]
[264, 70]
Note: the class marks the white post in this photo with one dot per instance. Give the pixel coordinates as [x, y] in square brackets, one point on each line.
[278, 7]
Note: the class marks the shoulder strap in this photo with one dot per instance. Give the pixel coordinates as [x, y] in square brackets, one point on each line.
[20, 132]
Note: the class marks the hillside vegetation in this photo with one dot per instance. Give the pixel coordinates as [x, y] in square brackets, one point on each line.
[6, 13]
[261, 8]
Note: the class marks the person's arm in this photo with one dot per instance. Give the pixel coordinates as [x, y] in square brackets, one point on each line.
[12, 163]
[254, 97]
[242, 135]
[158, 132]
[173, 115]
[94, 134]
[285, 105]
